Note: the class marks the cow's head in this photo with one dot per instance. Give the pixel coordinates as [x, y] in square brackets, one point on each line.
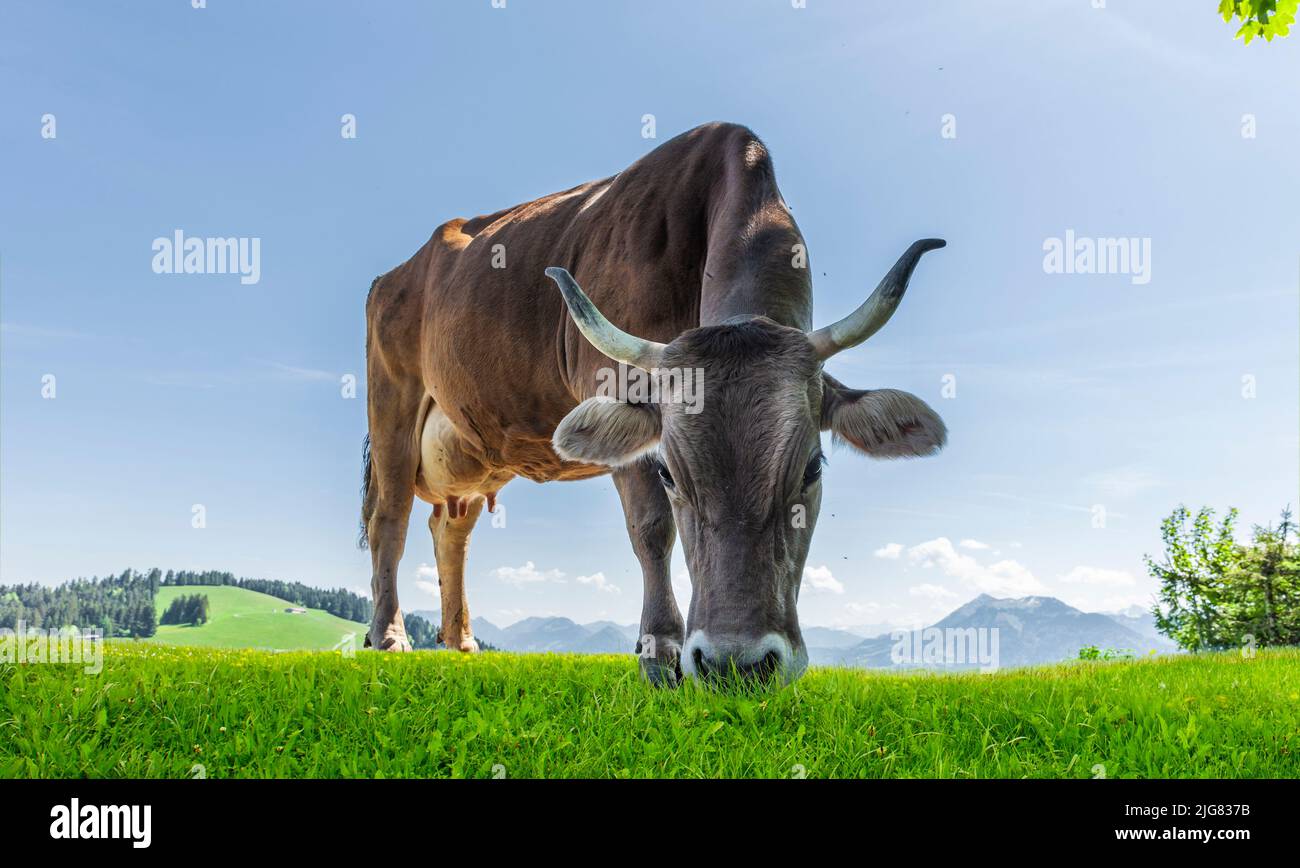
[742, 466]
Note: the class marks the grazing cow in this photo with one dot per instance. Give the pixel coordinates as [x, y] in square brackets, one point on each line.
[479, 371]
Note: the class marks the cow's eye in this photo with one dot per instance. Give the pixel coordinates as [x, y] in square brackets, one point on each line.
[664, 476]
[813, 471]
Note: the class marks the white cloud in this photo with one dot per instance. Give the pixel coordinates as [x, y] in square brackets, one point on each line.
[599, 582]
[1120, 483]
[427, 580]
[1105, 599]
[1121, 602]
[1004, 577]
[848, 615]
[973, 544]
[1072, 507]
[294, 372]
[1010, 577]
[889, 552]
[527, 574]
[932, 592]
[1097, 576]
[820, 579]
[937, 552]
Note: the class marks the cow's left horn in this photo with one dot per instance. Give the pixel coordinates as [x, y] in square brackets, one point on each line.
[876, 310]
[603, 334]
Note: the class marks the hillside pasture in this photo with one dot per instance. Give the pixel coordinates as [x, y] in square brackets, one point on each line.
[240, 618]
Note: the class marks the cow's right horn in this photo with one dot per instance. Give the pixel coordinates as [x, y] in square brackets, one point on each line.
[876, 310]
[603, 334]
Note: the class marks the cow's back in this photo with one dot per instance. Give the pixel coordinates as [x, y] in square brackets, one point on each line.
[473, 316]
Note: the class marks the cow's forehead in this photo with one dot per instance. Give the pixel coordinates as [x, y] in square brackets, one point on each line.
[751, 406]
[757, 346]
[752, 381]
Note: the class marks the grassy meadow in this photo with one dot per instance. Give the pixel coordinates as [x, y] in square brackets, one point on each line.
[157, 711]
[240, 618]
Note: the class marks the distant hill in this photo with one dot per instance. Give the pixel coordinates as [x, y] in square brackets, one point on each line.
[1140, 621]
[341, 602]
[240, 618]
[826, 645]
[830, 637]
[631, 632]
[559, 635]
[1031, 631]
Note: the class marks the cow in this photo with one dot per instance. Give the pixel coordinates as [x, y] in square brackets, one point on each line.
[479, 370]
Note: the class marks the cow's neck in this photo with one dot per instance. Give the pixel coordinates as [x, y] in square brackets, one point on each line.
[757, 263]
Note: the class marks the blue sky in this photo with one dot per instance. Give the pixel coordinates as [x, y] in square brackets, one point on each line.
[1072, 390]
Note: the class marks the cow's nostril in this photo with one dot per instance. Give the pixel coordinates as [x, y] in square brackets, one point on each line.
[700, 666]
[765, 667]
[762, 669]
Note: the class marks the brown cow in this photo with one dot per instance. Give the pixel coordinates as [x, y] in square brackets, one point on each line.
[480, 371]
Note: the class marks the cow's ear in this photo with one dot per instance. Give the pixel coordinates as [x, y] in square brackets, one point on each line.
[604, 431]
[883, 423]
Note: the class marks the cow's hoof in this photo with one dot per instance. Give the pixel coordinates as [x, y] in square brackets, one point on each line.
[663, 668]
[467, 644]
[393, 643]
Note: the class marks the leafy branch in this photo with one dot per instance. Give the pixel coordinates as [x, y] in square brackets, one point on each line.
[1266, 18]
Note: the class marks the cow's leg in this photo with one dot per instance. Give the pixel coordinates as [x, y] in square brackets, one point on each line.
[451, 525]
[386, 530]
[650, 525]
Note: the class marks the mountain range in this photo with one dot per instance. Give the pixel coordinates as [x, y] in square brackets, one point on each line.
[561, 635]
[1030, 631]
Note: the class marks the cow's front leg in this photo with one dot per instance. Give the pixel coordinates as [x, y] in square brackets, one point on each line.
[650, 525]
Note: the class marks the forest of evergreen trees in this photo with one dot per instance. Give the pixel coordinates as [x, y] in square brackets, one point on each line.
[421, 633]
[124, 605]
[121, 605]
[187, 609]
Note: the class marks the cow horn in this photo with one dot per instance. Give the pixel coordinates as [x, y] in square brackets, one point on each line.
[603, 334]
[876, 310]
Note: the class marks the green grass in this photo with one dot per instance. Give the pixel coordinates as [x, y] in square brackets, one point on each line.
[239, 618]
[156, 711]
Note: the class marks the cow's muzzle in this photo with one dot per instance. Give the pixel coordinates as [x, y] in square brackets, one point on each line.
[723, 658]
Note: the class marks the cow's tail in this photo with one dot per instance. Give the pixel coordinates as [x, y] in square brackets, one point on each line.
[367, 496]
